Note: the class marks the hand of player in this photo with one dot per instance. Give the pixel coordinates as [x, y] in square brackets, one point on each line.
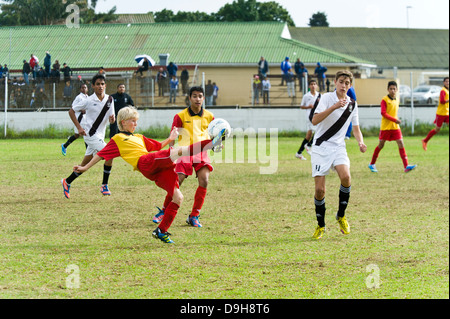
[362, 147]
[79, 169]
[341, 103]
[112, 119]
[398, 121]
[174, 134]
[81, 131]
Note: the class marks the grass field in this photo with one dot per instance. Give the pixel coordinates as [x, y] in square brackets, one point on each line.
[256, 241]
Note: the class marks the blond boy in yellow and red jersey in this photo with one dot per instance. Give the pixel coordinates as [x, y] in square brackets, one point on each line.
[193, 127]
[441, 114]
[390, 128]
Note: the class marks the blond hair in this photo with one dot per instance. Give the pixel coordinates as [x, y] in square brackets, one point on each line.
[126, 113]
[345, 73]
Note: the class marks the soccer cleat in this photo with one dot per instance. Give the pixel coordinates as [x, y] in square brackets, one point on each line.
[218, 139]
[343, 225]
[193, 221]
[164, 237]
[320, 231]
[308, 149]
[424, 145]
[66, 188]
[63, 149]
[300, 156]
[409, 168]
[105, 190]
[159, 216]
[373, 169]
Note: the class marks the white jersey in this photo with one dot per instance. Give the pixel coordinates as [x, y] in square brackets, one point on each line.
[78, 100]
[93, 107]
[338, 139]
[309, 99]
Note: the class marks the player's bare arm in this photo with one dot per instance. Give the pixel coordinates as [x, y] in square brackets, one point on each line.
[76, 123]
[92, 162]
[172, 137]
[359, 138]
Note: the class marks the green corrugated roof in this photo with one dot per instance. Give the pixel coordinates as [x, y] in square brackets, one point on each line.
[387, 47]
[115, 45]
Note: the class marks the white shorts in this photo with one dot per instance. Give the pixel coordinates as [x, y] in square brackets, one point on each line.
[324, 158]
[94, 145]
[310, 126]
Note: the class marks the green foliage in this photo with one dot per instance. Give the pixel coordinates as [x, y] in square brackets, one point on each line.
[240, 10]
[318, 19]
[48, 12]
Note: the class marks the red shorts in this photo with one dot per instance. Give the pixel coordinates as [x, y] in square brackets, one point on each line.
[158, 167]
[391, 135]
[440, 120]
[187, 164]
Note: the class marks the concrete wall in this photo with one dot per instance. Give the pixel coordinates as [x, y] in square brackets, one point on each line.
[285, 119]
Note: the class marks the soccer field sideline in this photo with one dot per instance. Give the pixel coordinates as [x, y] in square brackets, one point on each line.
[256, 241]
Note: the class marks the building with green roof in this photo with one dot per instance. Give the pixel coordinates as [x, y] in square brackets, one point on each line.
[225, 52]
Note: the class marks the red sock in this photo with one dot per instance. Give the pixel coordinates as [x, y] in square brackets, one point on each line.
[169, 215]
[403, 156]
[167, 201]
[199, 147]
[199, 200]
[430, 135]
[375, 155]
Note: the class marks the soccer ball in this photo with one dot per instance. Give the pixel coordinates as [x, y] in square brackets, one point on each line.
[216, 126]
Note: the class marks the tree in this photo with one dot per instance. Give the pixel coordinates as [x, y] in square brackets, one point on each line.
[48, 12]
[240, 10]
[318, 19]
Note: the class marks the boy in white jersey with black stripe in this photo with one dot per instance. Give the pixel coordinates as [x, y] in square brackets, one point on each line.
[332, 118]
[99, 108]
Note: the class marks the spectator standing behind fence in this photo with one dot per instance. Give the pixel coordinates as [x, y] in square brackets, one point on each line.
[67, 94]
[290, 82]
[172, 69]
[266, 89]
[161, 77]
[256, 89]
[209, 91]
[47, 63]
[184, 81]
[263, 67]
[40, 98]
[67, 72]
[285, 67]
[26, 71]
[300, 71]
[173, 89]
[320, 73]
[5, 71]
[33, 62]
[215, 93]
[56, 66]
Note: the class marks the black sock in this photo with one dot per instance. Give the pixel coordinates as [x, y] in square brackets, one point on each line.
[70, 140]
[320, 211]
[344, 196]
[302, 147]
[311, 141]
[106, 173]
[72, 177]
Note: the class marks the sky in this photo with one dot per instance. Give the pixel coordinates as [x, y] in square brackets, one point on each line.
[415, 14]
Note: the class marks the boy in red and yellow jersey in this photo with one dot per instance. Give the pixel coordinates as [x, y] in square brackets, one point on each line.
[192, 123]
[390, 128]
[441, 114]
[146, 156]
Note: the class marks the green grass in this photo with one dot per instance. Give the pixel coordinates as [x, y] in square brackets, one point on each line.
[256, 240]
